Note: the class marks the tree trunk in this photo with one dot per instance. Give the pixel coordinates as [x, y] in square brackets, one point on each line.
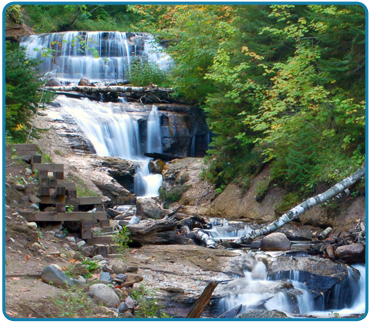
[301, 208]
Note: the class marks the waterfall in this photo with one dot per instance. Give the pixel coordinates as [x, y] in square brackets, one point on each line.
[113, 132]
[154, 143]
[97, 55]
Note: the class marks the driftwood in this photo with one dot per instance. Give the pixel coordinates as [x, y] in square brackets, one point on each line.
[200, 304]
[160, 231]
[111, 89]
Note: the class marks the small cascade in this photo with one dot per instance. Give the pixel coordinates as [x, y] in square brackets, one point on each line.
[115, 133]
[291, 295]
[256, 291]
[97, 55]
[221, 229]
[146, 184]
[154, 143]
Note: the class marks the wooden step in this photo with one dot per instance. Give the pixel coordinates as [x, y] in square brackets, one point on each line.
[85, 201]
[25, 149]
[63, 216]
[49, 167]
[66, 184]
[108, 239]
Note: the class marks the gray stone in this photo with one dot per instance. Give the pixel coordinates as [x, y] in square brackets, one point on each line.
[81, 243]
[71, 239]
[98, 257]
[32, 225]
[28, 171]
[34, 206]
[52, 275]
[121, 277]
[262, 314]
[84, 82]
[318, 274]
[53, 82]
[149, 208]
[20, 187]
[105, 294]
[275, 241]
[118, 266]
[130, 302]
[105, 277]
[122, 307]
[34, 199]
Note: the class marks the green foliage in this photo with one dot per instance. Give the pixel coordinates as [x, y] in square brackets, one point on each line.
[74, 303]
[282, 84]
[172, 195]
[146, 73]
[90, 265]
[70, 208]
[21, 96]
[148, 307]
[46, 158]
[122, 239]
[13, 13]
[53, 18]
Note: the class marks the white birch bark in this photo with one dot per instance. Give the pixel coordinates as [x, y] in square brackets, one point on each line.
[209, 241]
[301, 208]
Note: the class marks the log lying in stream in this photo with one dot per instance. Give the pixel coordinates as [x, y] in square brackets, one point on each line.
[111, 89]
[296, 211]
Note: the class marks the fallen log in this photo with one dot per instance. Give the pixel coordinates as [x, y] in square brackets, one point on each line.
[209, 241]
[200, 304]
[301, 208]
[112, 89]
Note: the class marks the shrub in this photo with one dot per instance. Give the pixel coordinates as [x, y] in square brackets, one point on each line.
[146, 73]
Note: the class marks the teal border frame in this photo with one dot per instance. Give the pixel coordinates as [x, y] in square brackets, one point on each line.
[196, 3]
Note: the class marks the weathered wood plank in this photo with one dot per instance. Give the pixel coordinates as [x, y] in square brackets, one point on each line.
[68, 216]
[86, 229]
[100, 240]
[85, 200]
[66, 184]
[48, 167]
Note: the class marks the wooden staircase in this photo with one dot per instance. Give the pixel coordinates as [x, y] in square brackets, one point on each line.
[56, 193]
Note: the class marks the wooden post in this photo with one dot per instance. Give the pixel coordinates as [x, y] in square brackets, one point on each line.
[102, 250]
[86, 229]
[72, 193]
[45, 191]
[59, 175]
[61, 191]
[61, 207]
[36, 159]
[200, 304]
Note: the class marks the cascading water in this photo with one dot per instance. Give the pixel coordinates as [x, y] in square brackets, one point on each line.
[154, 143]
[99, 55]
[114, 133]
[291, 295]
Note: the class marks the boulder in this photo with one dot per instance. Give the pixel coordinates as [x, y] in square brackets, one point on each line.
[118, 266]
[105, 294]
[156, 166]
[117, 194]
[319, 274]
[130, 302]
[54, 82]
[262, 314]
[149, 208]
[275, 241]
[84, 82]
[34, 199]
[351, 254]
[52, 275]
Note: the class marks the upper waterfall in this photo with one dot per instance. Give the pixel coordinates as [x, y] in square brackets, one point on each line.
[97, 55]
